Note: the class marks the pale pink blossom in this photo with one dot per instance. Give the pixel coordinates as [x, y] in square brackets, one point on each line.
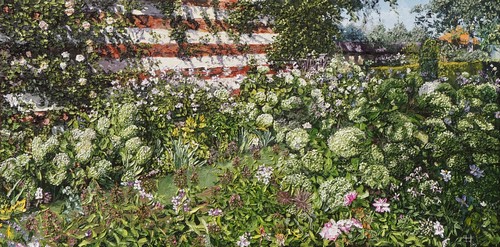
[330, 231]
[69, 11]
[43, 25]
[86, 25]
[381, 205]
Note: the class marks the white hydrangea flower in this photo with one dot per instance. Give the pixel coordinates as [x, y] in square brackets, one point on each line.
[264, 121]
[297, 138]
[345, 142]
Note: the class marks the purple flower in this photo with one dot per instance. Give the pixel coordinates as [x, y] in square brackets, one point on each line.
[381, 205]
[476, 172]
[462, 201]
[497, 114]
[350, 197]
[215, 212]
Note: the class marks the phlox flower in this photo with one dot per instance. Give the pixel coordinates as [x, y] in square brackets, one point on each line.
[381, 205]
[350, 197]
[330, 231]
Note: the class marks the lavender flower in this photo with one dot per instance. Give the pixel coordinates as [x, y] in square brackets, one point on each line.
[475, 171]
[381, 205]
[243, 240]
[215, 212]
[264, 174]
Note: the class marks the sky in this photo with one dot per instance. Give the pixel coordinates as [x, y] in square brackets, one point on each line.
[389, 16]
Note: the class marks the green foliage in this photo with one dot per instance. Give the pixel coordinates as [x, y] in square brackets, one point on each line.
[429, 59]
[305, 27]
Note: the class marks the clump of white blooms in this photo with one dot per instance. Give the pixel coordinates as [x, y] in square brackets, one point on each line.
[83, 150]
[133, 144]
[332, 191]
[103, 125]
[376, 176]
[99, 170]
[88, 134]
[297, 138]
[126, 115]
[143, 155]
[57, 174]
[129, 132]
[428, 87]
[222, 94]
[291, 103]
[297, 182]
[289, 165]
[38, 149]
[272, 98]
[313, 161]
[264, 174]
[346, 142]
[260, 98]
[264, 121]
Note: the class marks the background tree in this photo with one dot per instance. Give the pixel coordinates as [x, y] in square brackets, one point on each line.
[305, 27]
[481, 17]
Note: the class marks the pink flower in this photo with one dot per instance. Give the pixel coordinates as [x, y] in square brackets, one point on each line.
[330, 231]
[344, 225]
[350, 197]
[356, 223]
[381, 205]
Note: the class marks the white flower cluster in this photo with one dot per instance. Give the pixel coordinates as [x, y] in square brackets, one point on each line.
[428, 87]
[99, 170]
[296, 182]
[127, 114]
[346, 142]
[83, 150]
[264, 174]
[332, 191]
[297, 139]
[313, 161]
[103, 125]
[376, 176]
[222, 94]
[57, 174]
[291, 103]
[264, 121]
[290, 165]
[260, 97]
[133, 144]
[129, 132]
[143, 155]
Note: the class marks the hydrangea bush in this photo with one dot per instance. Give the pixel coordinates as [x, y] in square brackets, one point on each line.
[333, 157]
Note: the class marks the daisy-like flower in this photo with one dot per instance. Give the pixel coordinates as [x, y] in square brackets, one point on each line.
[69, 11]
[63, 65]
[381, 205]
[39, 194]
[438, 229]
[43, 25]
[476, 172]
[79, 58]
[110, 29]
[86, 25]
[446, 175]
[350, 197]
